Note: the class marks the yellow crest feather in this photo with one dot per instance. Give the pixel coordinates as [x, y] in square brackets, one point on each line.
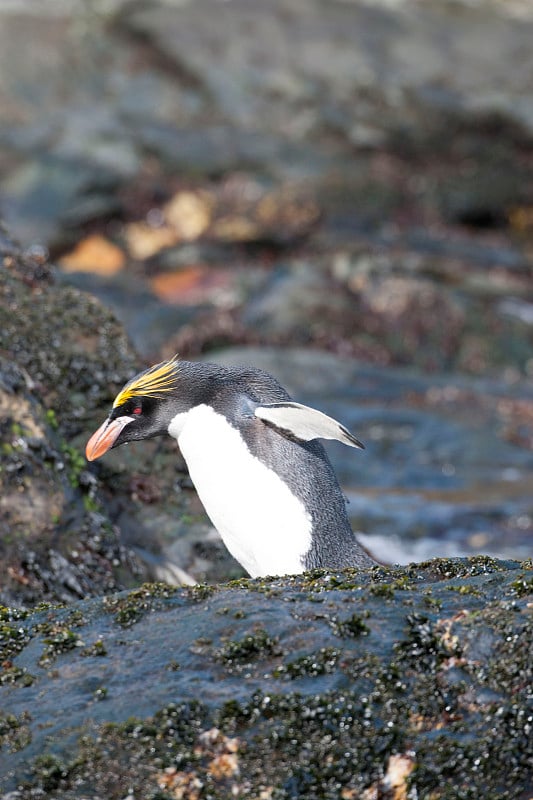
[153, 382]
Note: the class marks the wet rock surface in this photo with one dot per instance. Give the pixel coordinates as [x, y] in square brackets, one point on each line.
[321, 686]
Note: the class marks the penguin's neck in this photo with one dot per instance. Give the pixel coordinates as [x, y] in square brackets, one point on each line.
[262, 522]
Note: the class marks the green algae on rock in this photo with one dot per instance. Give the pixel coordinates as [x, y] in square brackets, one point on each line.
[61, 354]
[276, 700]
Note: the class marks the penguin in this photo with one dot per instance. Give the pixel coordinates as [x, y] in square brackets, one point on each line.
[252, 454]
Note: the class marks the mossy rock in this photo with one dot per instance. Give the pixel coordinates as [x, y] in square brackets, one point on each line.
[61, 355]
[315, 686]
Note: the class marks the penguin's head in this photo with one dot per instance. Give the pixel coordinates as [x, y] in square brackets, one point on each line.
[142, 409]
[152, 401]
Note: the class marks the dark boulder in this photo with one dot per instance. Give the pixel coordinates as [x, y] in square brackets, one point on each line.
[390, 683]
[60, 354]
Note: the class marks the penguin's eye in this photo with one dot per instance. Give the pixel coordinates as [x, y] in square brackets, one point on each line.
[137, 410]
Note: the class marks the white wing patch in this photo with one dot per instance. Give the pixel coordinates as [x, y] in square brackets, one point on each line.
[263, 524]
[305, 423]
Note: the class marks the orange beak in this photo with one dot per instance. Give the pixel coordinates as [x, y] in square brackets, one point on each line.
[105, 437]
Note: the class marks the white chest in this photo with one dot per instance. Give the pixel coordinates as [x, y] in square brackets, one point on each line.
[262, 523]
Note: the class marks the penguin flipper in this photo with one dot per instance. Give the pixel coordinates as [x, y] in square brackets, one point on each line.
[304, 423]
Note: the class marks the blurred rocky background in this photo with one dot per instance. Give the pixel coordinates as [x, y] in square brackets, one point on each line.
[338, 191]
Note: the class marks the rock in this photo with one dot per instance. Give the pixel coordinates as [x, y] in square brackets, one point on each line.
[214, 151]
[59, 350]
[73, 348]
[309, 93]
[403, 69]
[148, 322]
[326, 685]
[300, 304]
[45, 197]
[55, 542]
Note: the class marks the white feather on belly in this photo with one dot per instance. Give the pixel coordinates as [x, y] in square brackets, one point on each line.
[262, 523]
